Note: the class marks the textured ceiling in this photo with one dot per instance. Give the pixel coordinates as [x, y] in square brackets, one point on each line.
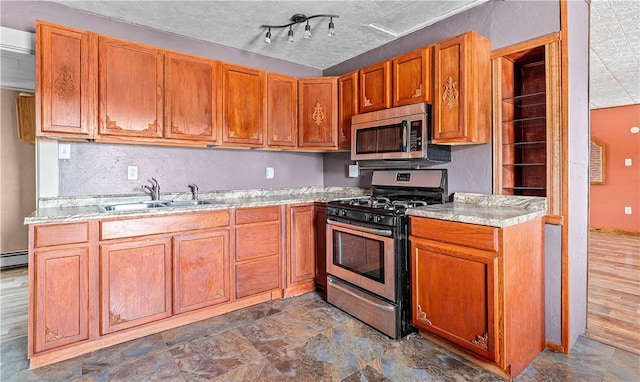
[614, 53]
[362, 26]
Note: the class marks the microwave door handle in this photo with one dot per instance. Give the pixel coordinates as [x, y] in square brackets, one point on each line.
[405, 132]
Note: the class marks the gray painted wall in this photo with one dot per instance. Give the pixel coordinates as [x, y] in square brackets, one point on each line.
[578, 166]
[99, 169]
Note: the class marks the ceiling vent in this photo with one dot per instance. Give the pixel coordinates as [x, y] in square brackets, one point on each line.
[17, 54]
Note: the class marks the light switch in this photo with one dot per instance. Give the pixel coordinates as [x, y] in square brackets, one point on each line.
[627, 162]
[64, 151]
[270, 173]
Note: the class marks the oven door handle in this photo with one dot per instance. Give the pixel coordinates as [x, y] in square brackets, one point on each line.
[345, 291]
[373, 231]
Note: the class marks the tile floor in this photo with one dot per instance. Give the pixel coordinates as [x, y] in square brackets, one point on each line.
[301, 339]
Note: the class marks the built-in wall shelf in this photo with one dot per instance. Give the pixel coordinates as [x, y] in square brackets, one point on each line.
[526, 122]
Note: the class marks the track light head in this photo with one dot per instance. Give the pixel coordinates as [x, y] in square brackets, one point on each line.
[290, 38]
[307, 30]
[332, 30]
[267, 37]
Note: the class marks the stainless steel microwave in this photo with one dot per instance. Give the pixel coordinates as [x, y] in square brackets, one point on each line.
[398, 133]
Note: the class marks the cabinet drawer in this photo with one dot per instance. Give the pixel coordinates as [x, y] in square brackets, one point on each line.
[113, 229]
[257, 276]
[56, 234]
[468, 235]
[258, 214]
[257, 240]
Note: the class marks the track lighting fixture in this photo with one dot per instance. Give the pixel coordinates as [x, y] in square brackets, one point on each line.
[297, 19]
[267, 37]
[290, 38]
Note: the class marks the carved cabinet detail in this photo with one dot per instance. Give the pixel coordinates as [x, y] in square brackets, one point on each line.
[66, 82]
[318, 112]
[130, 78]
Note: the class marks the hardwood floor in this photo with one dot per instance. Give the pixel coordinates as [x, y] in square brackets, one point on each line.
[613, 313]
[14, 296]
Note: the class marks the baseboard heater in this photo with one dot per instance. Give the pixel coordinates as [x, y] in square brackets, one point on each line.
[13, 259]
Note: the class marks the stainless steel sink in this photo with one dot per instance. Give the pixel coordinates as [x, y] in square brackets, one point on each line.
[152, 204]
[187, 203]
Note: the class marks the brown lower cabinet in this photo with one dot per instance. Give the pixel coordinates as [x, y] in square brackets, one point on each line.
[101, 282]
[480, 290]
[201, 274]
[135, 280]
[301, 248]
[258, 250]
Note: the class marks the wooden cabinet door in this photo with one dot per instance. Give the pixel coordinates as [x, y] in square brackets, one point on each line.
[201, 270]
[191, 93]
[453, 291]
[243, 97]
[130, 78]
[348, 106]
[135, 283]
[321, 245]
[66, 79]
[375, 87]
[412, 77]
[462, 108]
[318, 112]
[282, 110]
[302, 244]
[61, 297]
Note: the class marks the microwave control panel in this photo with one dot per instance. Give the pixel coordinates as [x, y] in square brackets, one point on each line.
[415, 136]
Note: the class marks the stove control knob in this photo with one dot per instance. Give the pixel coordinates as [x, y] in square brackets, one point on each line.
[371, 218]
[378, 219]
[343, 213]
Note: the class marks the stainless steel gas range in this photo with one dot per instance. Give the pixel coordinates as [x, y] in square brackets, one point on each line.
[368, 251]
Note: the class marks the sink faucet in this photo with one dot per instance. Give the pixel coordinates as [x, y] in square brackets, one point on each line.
[194, 191]
[154, 190]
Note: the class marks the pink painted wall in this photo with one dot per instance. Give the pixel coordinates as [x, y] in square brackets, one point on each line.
[611, 126]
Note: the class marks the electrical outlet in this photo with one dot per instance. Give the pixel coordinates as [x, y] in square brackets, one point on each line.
[132, 172]
[627, 162]
[64, 151]
[627, 210]
[270, 173]
[353, 171]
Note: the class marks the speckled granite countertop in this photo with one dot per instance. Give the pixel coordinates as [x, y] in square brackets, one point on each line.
[489, 210]
[65, 209]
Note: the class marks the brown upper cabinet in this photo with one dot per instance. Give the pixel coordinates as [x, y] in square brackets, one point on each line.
[282, 110]
[65, 77]
[243, 95]
[318, 113]
[413, 77]
[191, 98]
[130, 96]
[375, 87]
[348, 107]
[462, 106]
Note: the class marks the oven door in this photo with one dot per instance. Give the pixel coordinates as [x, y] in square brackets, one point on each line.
[363, 257]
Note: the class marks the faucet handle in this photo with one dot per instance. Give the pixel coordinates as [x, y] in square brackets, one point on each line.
[194, 190]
